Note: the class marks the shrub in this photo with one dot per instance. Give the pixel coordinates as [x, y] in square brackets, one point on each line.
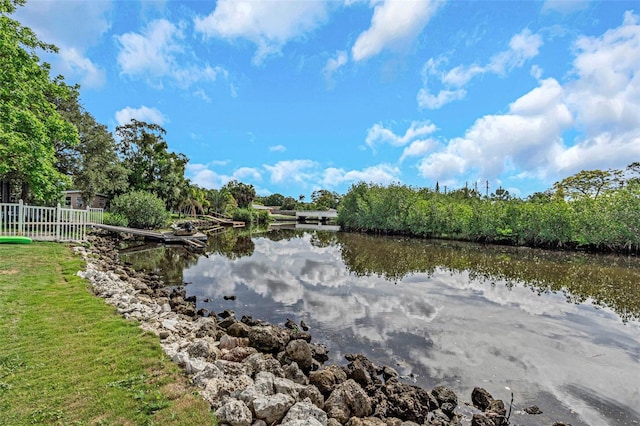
[115, 219]
[242, 215]
[141, 209]
[261, 216]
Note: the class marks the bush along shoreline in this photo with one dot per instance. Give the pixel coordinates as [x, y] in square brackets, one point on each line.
[255, 373]
[607, 222]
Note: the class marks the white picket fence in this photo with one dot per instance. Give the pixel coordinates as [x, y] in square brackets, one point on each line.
[47, 223]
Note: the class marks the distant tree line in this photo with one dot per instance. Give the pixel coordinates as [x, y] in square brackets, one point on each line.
[597, 209]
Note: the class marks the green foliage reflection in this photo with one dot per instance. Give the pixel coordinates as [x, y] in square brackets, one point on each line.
[608, 281]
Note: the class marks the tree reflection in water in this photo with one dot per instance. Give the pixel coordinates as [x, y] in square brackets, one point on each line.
[607, 280]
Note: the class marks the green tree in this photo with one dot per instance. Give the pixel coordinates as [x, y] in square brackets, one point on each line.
[29, 121]
[324, 199]
[289, 203]
[633, 172]
[589, 183]
[221, 200]
[273, 200]
[243, 193]
[194, 201]
[152, 167]
[93, 164]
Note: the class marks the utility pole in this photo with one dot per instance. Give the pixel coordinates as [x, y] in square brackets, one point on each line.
[487, 193]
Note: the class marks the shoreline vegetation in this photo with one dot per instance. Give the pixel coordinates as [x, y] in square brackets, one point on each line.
[608, 221]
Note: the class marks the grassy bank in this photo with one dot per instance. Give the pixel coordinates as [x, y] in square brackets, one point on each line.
[67, 358]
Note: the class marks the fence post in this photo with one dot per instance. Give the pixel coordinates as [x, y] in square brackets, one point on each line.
[58, 221]
[20, 217]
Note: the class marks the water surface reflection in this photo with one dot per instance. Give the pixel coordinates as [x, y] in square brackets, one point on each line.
[449, 313]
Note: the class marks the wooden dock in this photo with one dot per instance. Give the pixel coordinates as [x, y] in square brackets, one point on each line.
[223, 220]
[198, 239]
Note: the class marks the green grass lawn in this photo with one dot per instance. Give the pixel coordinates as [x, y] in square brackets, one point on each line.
[68, 358]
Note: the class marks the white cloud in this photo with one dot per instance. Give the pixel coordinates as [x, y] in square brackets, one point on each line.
[394, 24]
[429, 101]
[600, 104]
[77, 24]
[160, 53]
[277, 148]
[378, 134]
[383, 174]
[300, 171]
[268, 24]
[334, 64]
[526, 137]
[522, 47]
[75, 64]
[247, 172]
[77, 27]
[418, 148]
[144, 113]
[605, 97]
[203, 176]
[150, 52]
[606, 94]
[564, 6]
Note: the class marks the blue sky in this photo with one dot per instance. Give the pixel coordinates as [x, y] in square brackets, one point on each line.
[294, 96]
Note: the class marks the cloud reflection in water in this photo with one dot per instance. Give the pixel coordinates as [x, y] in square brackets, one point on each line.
[445, 324]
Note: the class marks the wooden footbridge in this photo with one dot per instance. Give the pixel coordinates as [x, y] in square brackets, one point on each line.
[319, 215]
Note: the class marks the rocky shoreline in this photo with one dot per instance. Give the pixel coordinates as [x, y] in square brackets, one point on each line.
[255, 373]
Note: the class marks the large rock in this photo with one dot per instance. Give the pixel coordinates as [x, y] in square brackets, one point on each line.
[264, 383]
[268, 338]
[407, 402]
[263, 362]
[497, 412]
[206, 327]
[481, 398]
[362, 370]
[494, 409]
[480, 420]
[272, 408]
[305, 410]
[221, 380]
[230, 342]
[286, 386]
[320, 352]
[300, 352]
[238, 329]
[293, 372]
[447, 399]
[313, 393]
[327, 378]
[347, 400]
[239, 353]
[235, 413]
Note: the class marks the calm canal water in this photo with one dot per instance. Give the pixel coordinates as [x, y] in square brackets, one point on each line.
[560, 330]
